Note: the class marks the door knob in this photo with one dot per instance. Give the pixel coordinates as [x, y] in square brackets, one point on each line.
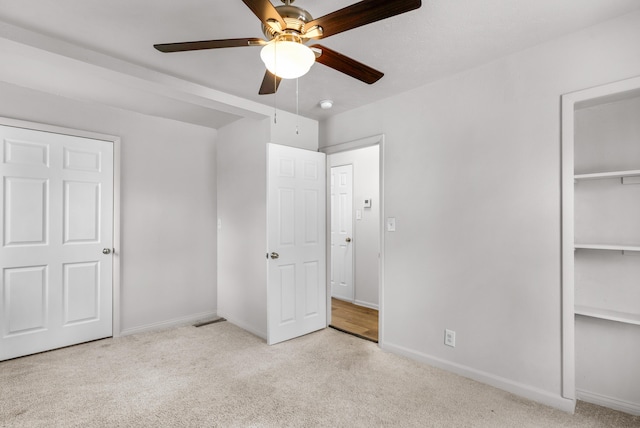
[348, 239]
[275, 255]
[106, 251]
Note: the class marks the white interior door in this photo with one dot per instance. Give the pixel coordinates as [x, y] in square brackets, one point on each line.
[342, 232]
[296, 284]
[56, 219]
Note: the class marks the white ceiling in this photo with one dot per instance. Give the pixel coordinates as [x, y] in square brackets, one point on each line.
[441, 38]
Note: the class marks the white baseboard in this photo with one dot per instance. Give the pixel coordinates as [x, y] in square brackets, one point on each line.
[366, 304]
[245, 326]
[175, 322]
[610, 402]
[358, 302]
[526, 391]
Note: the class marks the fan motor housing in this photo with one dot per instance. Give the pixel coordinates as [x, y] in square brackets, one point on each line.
[295, 18]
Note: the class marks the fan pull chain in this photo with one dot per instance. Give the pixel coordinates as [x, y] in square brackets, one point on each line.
[275, 87]
[297, 102]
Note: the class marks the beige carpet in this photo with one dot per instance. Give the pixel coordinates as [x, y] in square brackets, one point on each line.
[221, 376]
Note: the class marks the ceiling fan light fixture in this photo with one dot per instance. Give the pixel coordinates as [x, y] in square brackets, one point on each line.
[288, 29]
[286, 58]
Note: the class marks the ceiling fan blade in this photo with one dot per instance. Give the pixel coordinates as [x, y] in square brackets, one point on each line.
[347, 65]
[265, 11]
[270, 84]
[209, 44]
[361, 13]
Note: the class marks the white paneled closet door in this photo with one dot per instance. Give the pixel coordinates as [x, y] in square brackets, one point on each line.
[296, 283]
[56, 240]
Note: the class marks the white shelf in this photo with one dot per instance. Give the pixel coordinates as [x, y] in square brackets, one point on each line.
[606, 247]
[606, 314]
[609, 174]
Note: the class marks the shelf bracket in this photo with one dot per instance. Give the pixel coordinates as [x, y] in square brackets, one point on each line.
[630, 253]
[635, 179]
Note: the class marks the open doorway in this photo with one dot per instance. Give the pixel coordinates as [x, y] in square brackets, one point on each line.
[354, 250]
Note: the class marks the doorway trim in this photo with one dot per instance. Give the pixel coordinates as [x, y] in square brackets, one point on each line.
[374, 140]
[569, 102]
[16, 123]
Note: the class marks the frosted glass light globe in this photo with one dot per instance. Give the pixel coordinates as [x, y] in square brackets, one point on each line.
[286, 59]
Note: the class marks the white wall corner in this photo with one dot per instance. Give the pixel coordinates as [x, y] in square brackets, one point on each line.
[175, 322]
[243, 325]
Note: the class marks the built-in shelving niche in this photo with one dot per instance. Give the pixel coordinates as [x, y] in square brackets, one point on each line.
[608, 284]
[601, 245]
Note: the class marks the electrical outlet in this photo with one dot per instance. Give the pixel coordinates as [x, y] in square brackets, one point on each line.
[450, 338]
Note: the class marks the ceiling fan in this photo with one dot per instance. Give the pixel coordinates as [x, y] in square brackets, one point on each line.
[289, 28]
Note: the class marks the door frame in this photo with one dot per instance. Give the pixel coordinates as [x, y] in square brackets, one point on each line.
[16, 123]
[569, 102]
[374, 140]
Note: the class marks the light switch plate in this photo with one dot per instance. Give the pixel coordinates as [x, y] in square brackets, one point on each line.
[358, 215]
[391, 224]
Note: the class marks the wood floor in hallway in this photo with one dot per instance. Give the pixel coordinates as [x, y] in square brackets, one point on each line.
[354, 319]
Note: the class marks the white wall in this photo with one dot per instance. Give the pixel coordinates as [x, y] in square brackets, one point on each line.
[472, 174]
[366, 184]
[242, 211]
[168, 205]
[292, 130]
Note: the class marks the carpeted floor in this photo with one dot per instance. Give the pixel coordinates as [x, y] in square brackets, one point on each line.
[221, 376]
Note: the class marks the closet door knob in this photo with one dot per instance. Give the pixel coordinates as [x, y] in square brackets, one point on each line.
[348, 239]
[275, 255]
[106, 251]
